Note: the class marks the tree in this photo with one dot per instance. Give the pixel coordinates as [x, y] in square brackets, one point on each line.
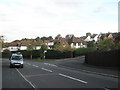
[50, 38]
[107, 45]
[90, 44]
[37, 39]
[43, 49]
[46, 38]
[30, 47]
[63, 47]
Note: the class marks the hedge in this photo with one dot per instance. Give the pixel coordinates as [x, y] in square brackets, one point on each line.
[54, 54]
[106, 58]
[83, 51]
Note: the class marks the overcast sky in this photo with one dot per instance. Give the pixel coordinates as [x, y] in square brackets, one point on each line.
[31, 18]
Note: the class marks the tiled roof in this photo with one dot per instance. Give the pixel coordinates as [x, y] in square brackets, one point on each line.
[93, 36]
[83, 37]
[23, 43]
[77, 40]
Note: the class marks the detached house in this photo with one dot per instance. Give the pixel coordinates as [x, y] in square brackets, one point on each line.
[75, 42]
[78, 43]
[94, 37]
[22, 45]
[11, 46]
[49, 43]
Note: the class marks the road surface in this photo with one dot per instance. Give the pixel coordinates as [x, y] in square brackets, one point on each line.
[50, 75]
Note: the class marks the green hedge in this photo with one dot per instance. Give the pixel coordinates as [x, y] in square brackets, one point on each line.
[54, 54]
[34, 53]
[105, 58]
[83, 51]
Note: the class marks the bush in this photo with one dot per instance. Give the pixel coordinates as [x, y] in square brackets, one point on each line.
[28, 53]
[105, 58]
[83, 51]
[6, 54]
[54, 54]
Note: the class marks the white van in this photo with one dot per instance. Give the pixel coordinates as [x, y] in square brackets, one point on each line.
[16, 60]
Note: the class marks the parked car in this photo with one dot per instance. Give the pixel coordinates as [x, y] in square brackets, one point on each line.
[16, 60]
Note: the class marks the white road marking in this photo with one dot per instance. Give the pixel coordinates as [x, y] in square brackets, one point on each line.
[106, 89]
[35, 65]
[28, 63]
[25, 78]
[46, 70]
[72, 78]
[50, 64]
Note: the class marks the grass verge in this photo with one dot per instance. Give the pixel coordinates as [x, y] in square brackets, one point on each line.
[44, 60]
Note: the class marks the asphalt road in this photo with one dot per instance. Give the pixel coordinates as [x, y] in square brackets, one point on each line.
[50, 75]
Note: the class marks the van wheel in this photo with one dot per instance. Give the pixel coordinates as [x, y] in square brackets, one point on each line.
[21, 66]
[11, 66]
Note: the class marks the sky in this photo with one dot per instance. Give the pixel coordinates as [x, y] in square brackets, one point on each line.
[32, 18]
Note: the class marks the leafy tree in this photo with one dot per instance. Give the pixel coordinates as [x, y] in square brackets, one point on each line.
[90, 44]
[30, 47]
[46, 38]
[33, 45]
[50, 38]
[63, 47]
[37, 39]
[107, 45]
[44, 47]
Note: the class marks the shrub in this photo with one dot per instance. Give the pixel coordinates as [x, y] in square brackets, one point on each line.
[54, 54]
[6, 54]
[83, 51]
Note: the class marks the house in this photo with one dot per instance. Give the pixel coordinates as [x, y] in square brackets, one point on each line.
[78, 43]
[94, 37]
[11, 46]
[49, 43]
[75, 42]
[23, 45]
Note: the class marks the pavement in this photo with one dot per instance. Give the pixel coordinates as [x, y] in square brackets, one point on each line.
[54, 74]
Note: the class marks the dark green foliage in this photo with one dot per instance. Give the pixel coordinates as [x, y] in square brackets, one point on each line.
[90, 44]
[107, 45]
[46, 38]
[54, 54]
[105, 58]
[83, 51]
[6, 54]
[44, 47]
[27, 53]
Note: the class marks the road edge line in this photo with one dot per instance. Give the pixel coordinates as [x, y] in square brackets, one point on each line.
[86, 71]
[25, 78]
[72, 78]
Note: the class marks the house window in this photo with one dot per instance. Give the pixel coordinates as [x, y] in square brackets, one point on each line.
[74, 44]
[79, 44]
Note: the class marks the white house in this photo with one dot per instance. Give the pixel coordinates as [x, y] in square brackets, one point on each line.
[78, 43]
[49, 43]
[88, 38]
[95, 37]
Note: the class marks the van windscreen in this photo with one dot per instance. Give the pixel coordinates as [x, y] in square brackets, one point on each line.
[16, 57]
